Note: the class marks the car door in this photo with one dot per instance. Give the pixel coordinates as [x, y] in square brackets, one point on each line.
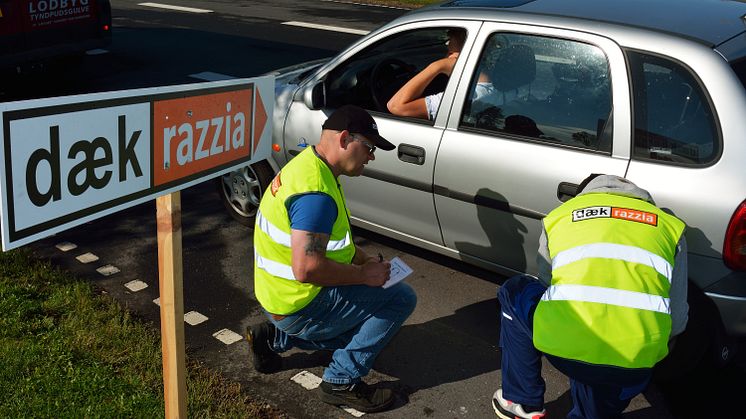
[518, 143]
[394, 192]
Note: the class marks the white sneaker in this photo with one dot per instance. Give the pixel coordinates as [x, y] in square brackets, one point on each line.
[509, 410]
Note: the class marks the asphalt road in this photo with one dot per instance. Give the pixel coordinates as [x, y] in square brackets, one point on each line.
[445, 361]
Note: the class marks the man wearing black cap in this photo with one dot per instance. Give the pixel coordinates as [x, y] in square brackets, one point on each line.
[317, 288]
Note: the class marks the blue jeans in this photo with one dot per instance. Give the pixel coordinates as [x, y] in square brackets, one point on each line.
[355, 321]
[598, 391]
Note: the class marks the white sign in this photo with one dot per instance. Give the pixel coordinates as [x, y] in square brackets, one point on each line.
[73, 159]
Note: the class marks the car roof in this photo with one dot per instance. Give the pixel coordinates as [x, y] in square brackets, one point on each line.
[709, 21]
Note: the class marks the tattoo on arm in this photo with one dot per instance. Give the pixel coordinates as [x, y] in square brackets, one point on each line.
[316, 244]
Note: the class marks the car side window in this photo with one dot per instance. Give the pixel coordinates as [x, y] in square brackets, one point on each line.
[542, 89]
[673, 118]
[373, 75]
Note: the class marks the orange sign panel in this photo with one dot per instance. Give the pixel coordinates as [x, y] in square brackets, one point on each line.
[194, 134]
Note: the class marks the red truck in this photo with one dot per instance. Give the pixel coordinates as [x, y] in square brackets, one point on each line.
[34, 31]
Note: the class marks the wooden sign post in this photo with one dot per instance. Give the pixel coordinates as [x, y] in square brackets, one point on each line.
[170, 271]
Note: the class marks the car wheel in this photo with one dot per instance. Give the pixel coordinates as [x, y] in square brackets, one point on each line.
[704, 342]
[241, 191]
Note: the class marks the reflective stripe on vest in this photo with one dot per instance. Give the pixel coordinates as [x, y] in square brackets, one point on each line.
[273, 268]
[622, 298]
[614, 251]
[282, 270]
[280, 237]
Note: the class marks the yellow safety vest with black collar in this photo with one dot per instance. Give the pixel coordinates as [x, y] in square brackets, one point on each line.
[275, 285]
[612, 262]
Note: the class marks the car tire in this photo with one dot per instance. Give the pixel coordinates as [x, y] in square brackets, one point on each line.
[241, 190]
[690, 347]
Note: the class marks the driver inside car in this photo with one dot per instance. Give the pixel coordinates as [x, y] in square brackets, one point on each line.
[409, 100]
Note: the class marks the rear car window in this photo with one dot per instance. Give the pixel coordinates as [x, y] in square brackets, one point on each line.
[674, 121]
[542, 89]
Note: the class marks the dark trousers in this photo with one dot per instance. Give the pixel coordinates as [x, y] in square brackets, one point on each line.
[597, 391]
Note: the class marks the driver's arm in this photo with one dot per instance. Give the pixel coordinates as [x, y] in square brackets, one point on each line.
[408, 101]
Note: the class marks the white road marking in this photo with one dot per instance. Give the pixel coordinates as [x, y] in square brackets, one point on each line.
[310, 381]
[227, 336]
[66, 246]
[137, 285]
[210, 76]
[157, 301]
[353, 412]
[307, 380]
[177, 8]
[194, 318]
[97, 51]
[366, 4]
[107, 270]
[326, 27]
[87, 258]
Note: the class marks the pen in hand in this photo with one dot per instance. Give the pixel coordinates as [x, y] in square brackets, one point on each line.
[380, 257]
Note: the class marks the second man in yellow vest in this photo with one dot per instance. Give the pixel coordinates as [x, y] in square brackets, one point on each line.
[611, 293]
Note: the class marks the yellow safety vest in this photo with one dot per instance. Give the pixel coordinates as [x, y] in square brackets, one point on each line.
[274, 282]
[612, 262]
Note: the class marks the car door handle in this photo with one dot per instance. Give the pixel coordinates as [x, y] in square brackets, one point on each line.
[411, 154]
[566, 190]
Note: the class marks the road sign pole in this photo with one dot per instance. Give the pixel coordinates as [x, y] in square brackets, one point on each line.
[170, 272]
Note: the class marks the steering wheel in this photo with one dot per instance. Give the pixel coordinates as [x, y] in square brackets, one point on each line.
[386, 78]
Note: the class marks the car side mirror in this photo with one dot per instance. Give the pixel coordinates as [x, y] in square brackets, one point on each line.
[314, 95]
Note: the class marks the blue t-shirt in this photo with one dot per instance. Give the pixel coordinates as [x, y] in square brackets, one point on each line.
[313, 211]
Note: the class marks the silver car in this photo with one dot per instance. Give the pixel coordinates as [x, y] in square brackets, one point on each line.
[652, 90]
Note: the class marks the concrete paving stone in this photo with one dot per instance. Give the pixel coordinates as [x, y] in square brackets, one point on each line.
[194, 318]
[107, 270]
[66, 246]
[87, 258]
[227, 336]
[137, 285]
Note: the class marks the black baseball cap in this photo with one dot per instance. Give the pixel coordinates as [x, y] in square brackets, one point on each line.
[357, 121]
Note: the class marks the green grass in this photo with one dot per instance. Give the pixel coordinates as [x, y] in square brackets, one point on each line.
[66, 352]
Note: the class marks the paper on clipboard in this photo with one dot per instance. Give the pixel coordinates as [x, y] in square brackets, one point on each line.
[399, 271]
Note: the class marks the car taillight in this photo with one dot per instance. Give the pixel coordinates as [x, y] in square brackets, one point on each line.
[734, 248]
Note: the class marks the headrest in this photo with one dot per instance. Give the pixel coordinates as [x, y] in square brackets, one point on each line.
[515, 67]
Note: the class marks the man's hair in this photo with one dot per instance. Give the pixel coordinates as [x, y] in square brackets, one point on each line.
[457, 35]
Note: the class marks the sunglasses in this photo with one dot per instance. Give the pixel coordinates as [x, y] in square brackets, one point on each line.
[371, 147]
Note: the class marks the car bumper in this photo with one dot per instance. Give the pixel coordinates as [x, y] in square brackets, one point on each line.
[729, 296]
